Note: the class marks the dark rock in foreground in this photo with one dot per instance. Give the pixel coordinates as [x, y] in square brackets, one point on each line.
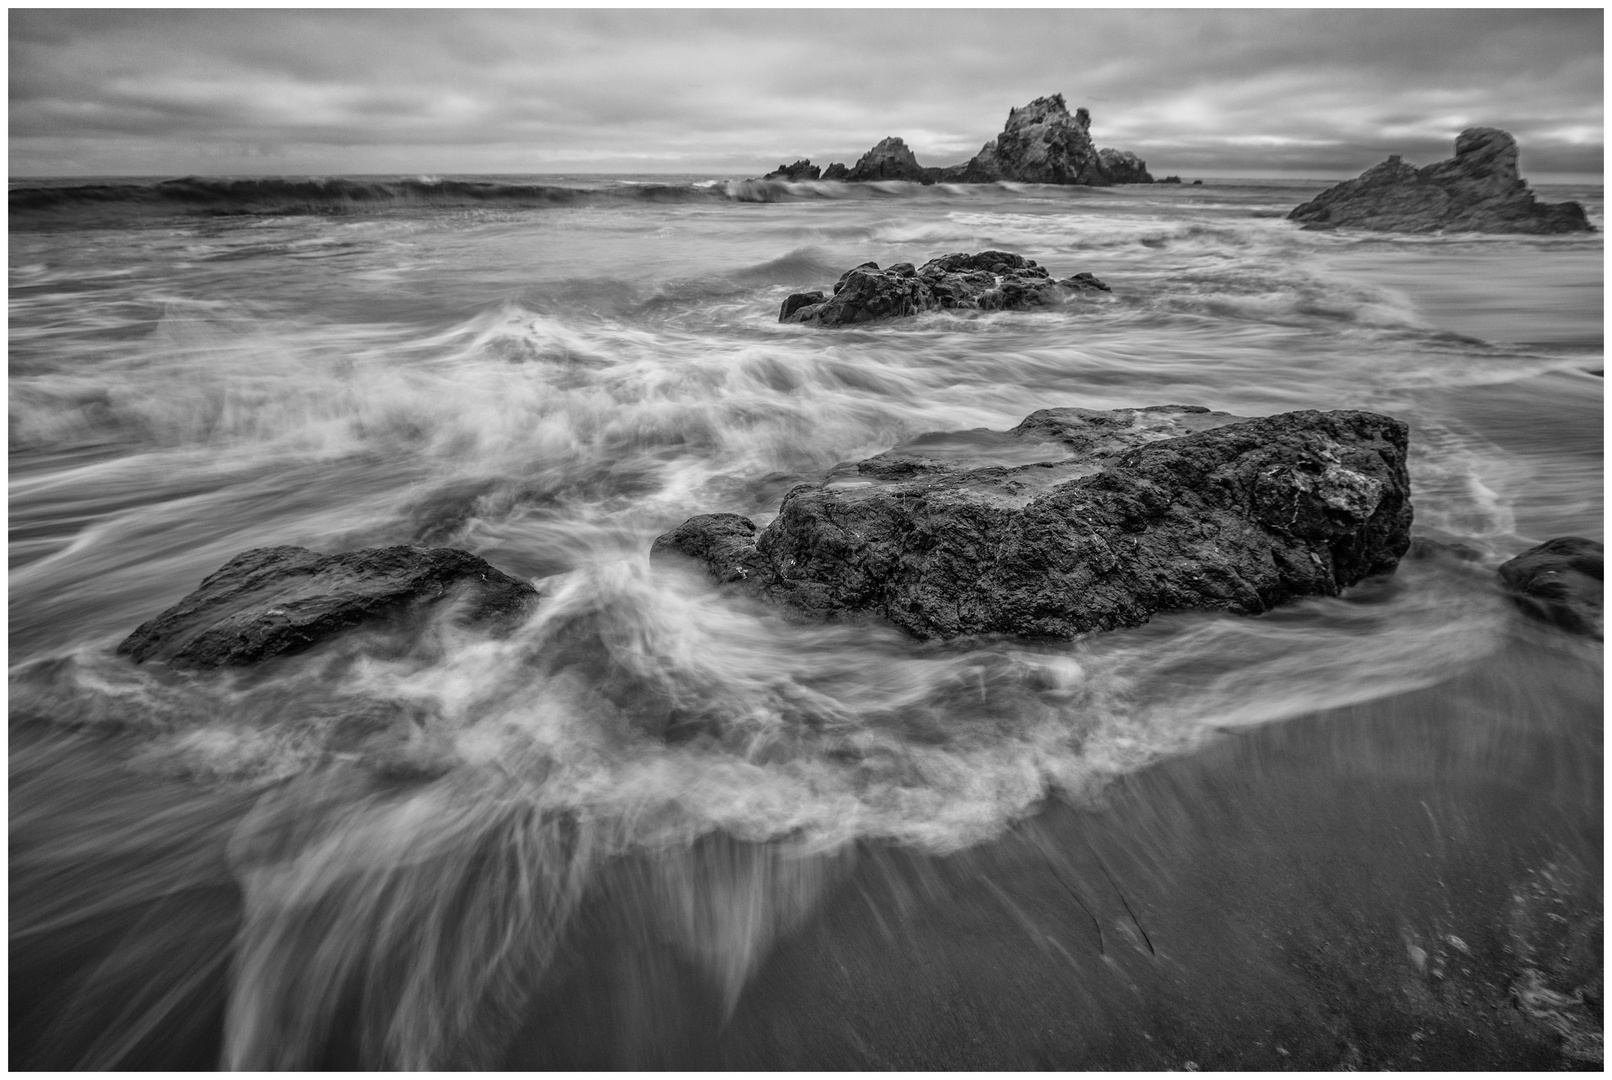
[270, 601]
[1478, 190]
[1559, 582]
[1078, 520]
[800, 170]
[988, 281]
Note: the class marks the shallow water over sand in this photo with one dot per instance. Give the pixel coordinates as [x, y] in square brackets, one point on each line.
[552, 382]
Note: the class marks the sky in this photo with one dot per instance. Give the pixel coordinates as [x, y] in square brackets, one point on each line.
[736, 92]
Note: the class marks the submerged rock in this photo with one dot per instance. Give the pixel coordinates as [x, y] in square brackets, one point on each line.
[1078, 520]
[270, 601]
[800, 170]
[1559, 582]
[1478, 190]
[988, 281]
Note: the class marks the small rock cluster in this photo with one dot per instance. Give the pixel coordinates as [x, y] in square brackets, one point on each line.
[1041, 143]
[987, 281]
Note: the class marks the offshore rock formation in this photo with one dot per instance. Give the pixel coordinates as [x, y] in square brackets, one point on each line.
[1559, 582]
[270, 601]
[1124, 167]
[1478, 190]
[988, 281]
[890, 159]
[1078, 520]
[1040, 144]
[800, 170]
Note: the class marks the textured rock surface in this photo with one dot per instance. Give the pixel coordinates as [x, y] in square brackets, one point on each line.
[988, 281]
[1124, 167]
[891, 159]
[1078, 520]
[1478, 190]
[1559, 582]
[270, 601]
[800, 170]
[1041, 143]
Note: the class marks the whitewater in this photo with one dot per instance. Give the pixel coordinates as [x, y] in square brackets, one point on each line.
[383, 859]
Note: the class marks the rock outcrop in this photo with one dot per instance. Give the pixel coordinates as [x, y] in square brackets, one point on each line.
[1478, 190]
[1124, 167]
[270, 601]
[1077, 521]
[1559, 582]
[800, 170]
[1040, 144]
[890, 159]
[988, 281]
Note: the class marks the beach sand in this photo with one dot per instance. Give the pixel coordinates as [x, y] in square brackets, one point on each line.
[1410, 883]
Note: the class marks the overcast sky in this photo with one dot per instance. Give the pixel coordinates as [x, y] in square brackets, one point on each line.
[734, 92]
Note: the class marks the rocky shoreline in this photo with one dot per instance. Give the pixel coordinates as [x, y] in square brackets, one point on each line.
[1076, 521]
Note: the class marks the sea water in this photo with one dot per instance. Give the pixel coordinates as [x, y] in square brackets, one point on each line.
[552, 371]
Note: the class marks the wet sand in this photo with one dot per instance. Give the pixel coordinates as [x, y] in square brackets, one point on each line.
[1409, 883]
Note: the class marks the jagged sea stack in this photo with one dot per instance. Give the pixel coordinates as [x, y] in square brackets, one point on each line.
[1040, 144]
[1478, 190]
[800, 170]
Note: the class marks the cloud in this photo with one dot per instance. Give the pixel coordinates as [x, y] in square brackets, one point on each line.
[150, 92]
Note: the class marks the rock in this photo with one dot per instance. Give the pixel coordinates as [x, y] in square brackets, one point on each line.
[1077, 521]
[1041, 144]
[890, 159]
[1123, 167]
[270, 601]
[1172, 180]
[1559, 582]
[800, 170]
[988, 281]
[1478, 190]
[1085, 281]
[1197, 183]
[796, 301]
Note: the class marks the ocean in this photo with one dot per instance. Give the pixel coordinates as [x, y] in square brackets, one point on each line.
[603, 840]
